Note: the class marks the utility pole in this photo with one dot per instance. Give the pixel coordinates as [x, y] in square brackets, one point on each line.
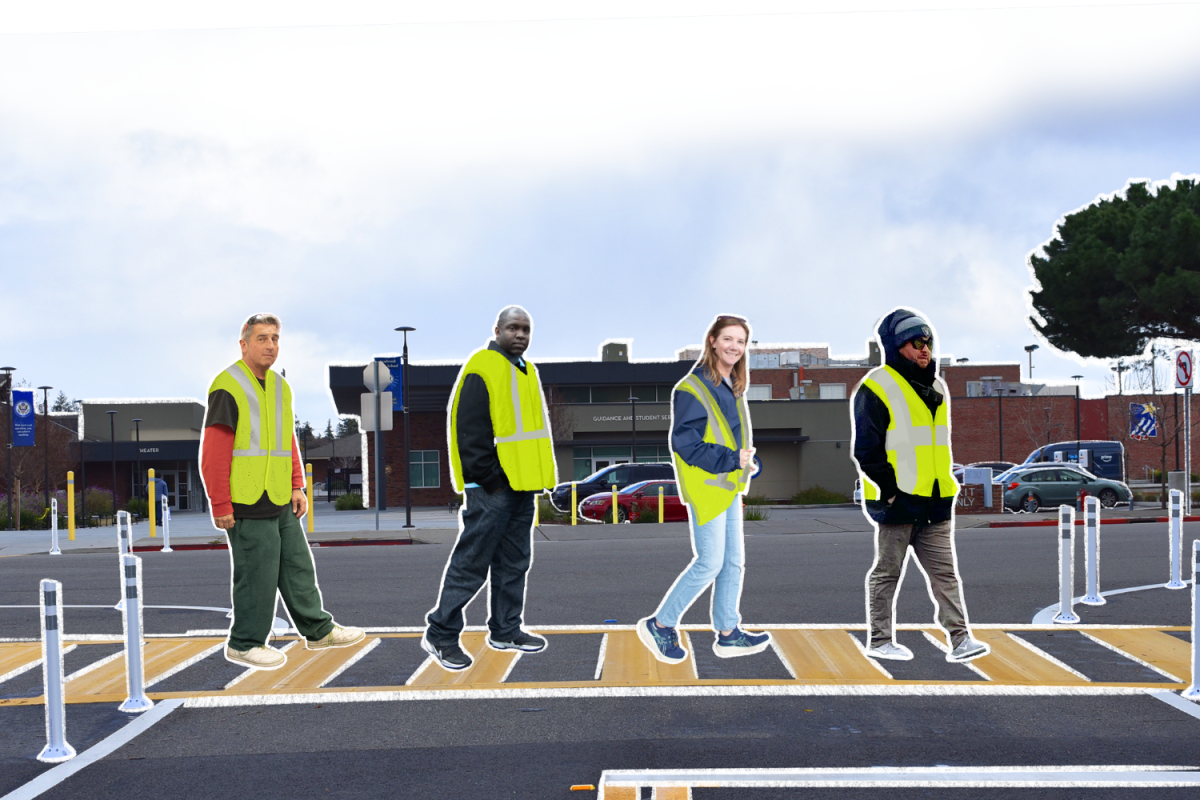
[46, 437]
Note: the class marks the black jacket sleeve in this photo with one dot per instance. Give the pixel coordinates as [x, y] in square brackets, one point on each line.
[871, 419]
[476, 437]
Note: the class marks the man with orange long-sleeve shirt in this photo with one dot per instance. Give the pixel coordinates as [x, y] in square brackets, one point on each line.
[250, 463]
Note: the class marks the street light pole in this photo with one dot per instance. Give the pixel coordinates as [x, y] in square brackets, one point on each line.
[112, 448]
[1029, 348]
[137, 470]
[8, 486]
[407, 458]
[46, 438]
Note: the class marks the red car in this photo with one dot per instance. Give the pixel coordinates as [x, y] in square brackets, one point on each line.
[643, 496]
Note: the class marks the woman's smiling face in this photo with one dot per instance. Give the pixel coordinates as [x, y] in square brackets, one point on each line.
[730, 344]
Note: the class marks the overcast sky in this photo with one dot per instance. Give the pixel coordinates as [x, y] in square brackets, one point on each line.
[623, 170]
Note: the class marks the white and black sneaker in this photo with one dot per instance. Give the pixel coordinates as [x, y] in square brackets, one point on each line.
[449, 656]
[525, 642]
[968, 649]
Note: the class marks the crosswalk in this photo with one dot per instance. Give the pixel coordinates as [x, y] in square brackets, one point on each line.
[813, 658]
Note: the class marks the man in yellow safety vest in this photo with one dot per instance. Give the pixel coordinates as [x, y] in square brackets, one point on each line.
[252, 474]
[502, 457]
[901, 444]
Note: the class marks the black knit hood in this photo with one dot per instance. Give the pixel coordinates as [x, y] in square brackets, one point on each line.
[922, 380]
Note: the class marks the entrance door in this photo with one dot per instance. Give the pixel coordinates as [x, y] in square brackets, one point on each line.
[172, 480]
[607, 461]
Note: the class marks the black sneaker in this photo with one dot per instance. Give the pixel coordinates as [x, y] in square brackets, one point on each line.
[525, 642]
[450, 656]
[740, 643]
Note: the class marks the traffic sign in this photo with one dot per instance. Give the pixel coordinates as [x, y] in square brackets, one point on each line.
[367, 415]
[1183, 369]
[385, 376]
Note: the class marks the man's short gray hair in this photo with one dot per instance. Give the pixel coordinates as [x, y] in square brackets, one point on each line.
[259, 319]
[508, 311]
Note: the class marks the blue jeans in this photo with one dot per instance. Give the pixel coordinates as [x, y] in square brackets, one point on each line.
[720, 560]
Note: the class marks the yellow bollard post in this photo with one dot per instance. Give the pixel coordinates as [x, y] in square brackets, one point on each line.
[574, 505]
[153, 502]
[71, 505]
[537, 502]
[660, 505]
[614, 504]
[308, 486]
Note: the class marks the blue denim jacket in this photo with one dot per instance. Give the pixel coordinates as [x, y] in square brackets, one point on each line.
[689, 420]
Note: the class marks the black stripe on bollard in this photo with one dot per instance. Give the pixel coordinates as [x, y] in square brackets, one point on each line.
[130, 571]
[131, 592]
[51, 598]
[51, 622]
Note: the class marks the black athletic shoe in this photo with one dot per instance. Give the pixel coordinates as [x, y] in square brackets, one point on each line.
[450, 656]
[525, 642]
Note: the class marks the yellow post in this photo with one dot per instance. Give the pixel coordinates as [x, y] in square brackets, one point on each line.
[308, 485]
[614, 504]
[537, 501]
[71, 506]
[660, 505]
[574, 505]
[153, 497]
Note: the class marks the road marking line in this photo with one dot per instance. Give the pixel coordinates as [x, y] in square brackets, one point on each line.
[197, 658]
[1048, 613]
[52, 777]
[1086, 776]
[354, 659]
[1174, 654]
[873, 661]
[940, 645]
[22, 658]
[490, 666]
[600, 659]
[424, 666]
[1172, 699]
[95, 665]
[1043, 654]
[826, 655]
[1009, 662]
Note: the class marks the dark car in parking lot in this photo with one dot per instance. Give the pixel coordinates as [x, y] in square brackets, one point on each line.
[620, 475]
[1034, 487]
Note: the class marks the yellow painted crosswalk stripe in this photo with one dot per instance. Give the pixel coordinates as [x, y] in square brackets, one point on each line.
[627, 662]
[305, 669]
[16, 656]
[822, 656]
[1012, 663]
[1161, 650]
[489, 667]
[158, 655]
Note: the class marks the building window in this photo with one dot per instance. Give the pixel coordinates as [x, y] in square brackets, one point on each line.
[758, 391]
[833, 391]
[610, 394]
[571, 394]
[423, 467]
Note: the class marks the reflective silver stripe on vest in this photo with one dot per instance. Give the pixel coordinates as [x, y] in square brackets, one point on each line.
[721, 481]
[905, 437]
[278, 414]
[522, 435]
[248, 389]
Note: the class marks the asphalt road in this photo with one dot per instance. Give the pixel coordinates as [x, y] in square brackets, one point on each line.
[538, 748]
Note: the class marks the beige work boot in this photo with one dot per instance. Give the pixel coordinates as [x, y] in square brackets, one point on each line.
[338, 637]
[261, 657]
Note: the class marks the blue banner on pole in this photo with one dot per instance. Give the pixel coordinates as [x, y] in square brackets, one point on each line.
[396, 387]
[22, 419]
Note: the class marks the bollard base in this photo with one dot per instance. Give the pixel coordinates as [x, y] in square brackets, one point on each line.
[56, 754]
[136, 705]
[1092, 600]
[120, 606]
[1065, 619]
[1174, 585]
[56, 552]
[167, 550]
[1191, 693]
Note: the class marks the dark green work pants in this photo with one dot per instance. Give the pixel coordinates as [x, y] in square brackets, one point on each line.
[271, 555]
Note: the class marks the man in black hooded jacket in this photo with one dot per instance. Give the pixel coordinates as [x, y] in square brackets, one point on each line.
[903, 520]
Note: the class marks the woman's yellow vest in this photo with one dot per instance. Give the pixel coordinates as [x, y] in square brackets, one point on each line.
[523, 441]
[262, 443]
[710, 495]
[917, 443]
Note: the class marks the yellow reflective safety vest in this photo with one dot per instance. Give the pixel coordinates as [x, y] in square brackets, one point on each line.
[710, 495]
[262, 443]
[519, 422]
[917, 442]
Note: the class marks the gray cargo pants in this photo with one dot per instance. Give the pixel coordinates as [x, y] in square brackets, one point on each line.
[933, 545]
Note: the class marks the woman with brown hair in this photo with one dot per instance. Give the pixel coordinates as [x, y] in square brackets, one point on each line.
[710, 439]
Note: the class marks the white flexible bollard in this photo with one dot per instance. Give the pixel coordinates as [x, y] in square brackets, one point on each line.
[1193, 691]
[1091, 506]
[54, 551]
[1176, 540]
[124, 545]
[166, 523]
[135, 676]
[56, 748]
[1066, 566]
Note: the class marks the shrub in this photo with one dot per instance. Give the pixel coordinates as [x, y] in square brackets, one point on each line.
[818, 495]
[756, 514]
[548, 514]
[644, 511]
[756, 500]
[139, 506]
[349, 502]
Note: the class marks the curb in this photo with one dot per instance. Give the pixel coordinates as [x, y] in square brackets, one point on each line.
[1046, 523]
[331, 543]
